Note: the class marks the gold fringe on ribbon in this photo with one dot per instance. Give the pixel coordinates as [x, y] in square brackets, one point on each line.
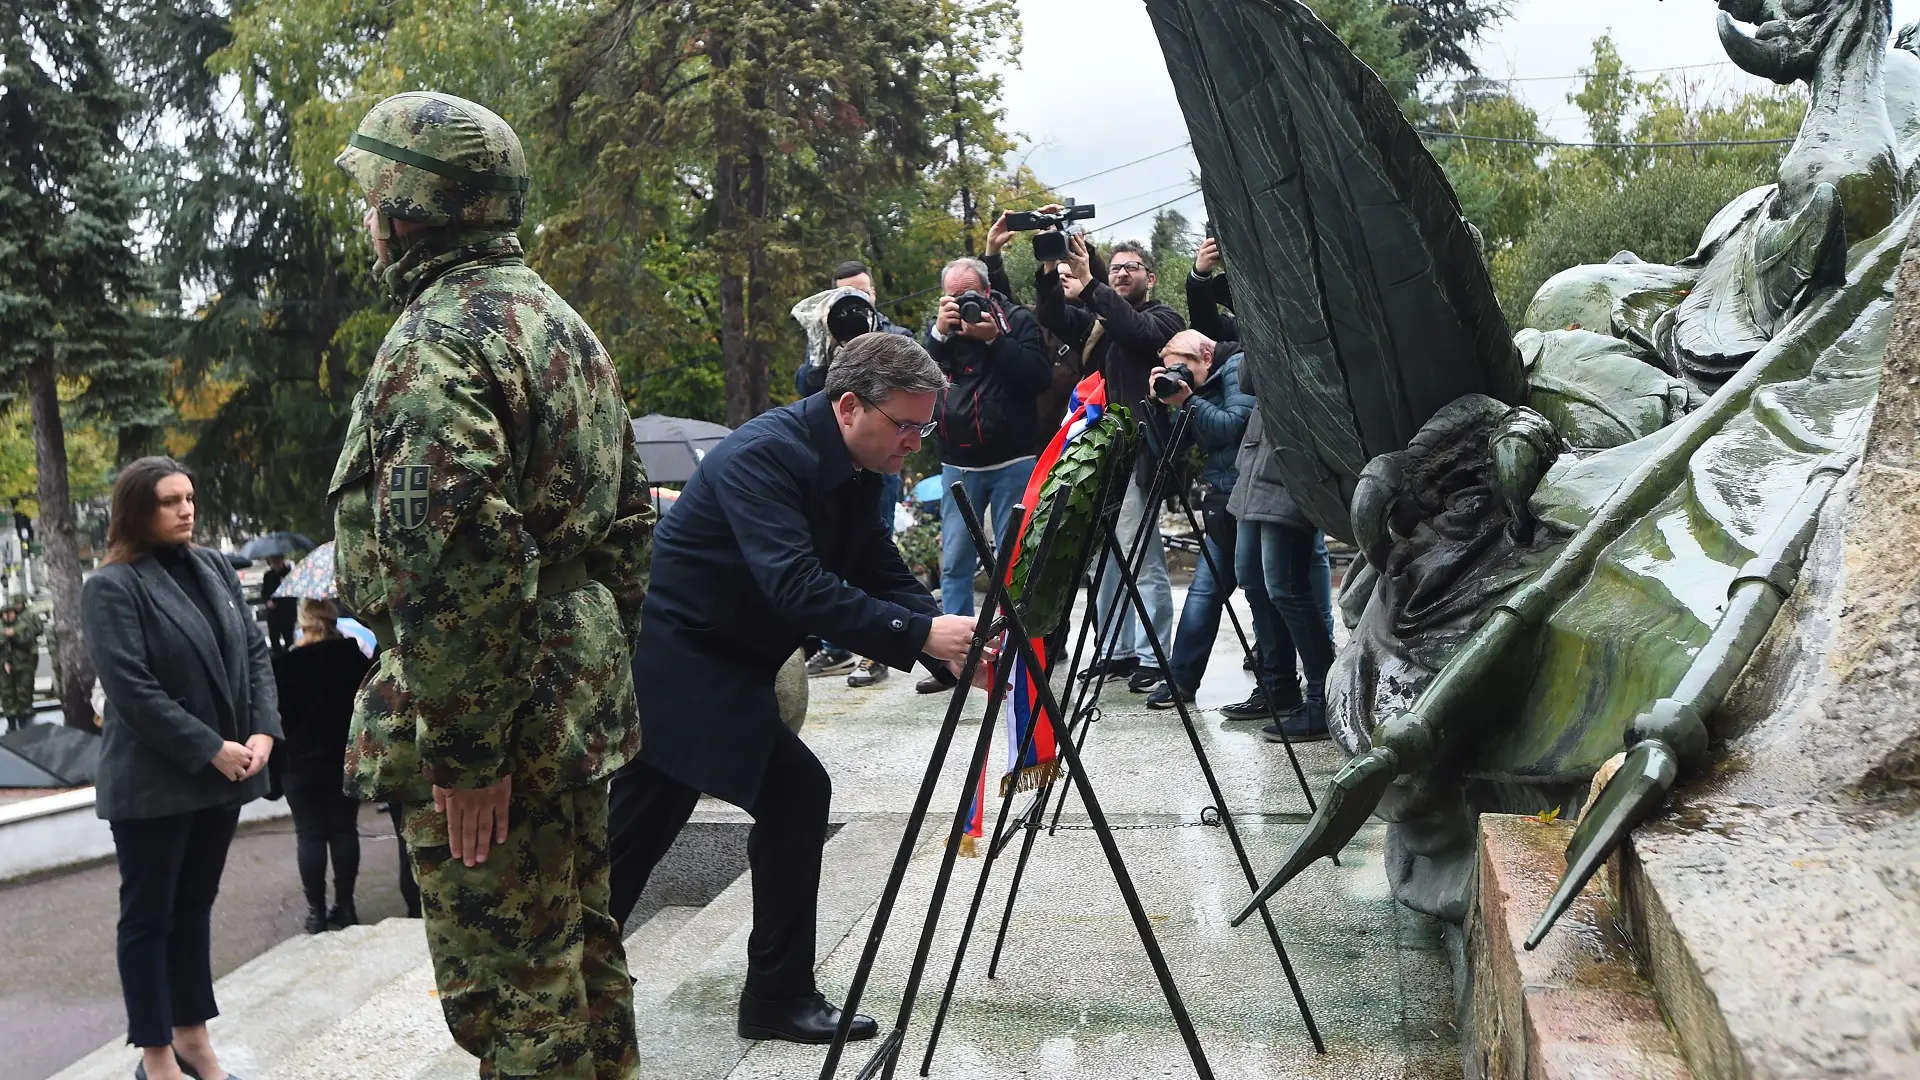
[1031, 777]
[966, 847]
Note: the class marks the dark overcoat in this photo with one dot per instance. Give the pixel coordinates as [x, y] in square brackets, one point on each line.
[167, 676]
[774, 538]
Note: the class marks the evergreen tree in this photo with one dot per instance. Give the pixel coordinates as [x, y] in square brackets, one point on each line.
[768, 124]
[69, 275]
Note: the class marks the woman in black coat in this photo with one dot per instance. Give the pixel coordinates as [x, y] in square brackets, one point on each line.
[191, 719]
[317, 679]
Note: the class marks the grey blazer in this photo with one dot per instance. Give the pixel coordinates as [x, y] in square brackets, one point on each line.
[165, 673]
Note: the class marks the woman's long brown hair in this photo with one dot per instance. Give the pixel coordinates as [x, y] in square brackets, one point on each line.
[135, 498]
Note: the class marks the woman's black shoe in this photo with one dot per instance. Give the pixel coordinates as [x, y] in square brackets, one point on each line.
[342, 915]
[140, 1070]
[806, 1019]
[316, 920]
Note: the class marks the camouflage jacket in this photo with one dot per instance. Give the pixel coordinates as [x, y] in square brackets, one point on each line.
[25, 639]
[493, 525]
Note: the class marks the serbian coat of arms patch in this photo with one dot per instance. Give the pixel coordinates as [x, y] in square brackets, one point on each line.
[407, 495]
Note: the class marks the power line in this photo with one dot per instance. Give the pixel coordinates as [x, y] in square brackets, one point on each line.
[1695, 143]
[1117, 168]
[1625, 73]
[1189, 192]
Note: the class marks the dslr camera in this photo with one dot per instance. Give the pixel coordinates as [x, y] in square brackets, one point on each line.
[1168, 384]
[974, 306]
[1050, 235]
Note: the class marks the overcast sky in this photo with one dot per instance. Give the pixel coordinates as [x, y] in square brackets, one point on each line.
[1077, 122]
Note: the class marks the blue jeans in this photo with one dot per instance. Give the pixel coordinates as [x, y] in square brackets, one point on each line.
[1299, 583]
[992, 493]
[1155, 589]
[1200, 620]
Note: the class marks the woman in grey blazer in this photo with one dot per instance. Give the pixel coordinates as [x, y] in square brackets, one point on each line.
[191, 720]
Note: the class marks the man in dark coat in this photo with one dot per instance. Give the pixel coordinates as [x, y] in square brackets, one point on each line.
[774, 539]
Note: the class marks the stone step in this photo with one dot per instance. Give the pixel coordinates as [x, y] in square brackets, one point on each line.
[1783, 941]
[286, 997]
[1575, 1007]
[399, 1031]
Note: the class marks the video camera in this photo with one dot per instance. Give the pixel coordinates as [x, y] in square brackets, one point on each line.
[1050, 230]
[850, 316]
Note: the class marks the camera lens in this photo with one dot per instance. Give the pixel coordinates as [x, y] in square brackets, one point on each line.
[1050, 246]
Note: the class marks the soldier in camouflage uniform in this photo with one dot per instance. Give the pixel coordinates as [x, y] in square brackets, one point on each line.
[19, 657]
[492, 525]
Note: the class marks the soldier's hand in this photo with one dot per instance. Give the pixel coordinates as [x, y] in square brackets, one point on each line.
[476, 818]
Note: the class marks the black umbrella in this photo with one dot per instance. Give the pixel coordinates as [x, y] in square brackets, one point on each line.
[671, 447]
[237, 560]
[275, 543]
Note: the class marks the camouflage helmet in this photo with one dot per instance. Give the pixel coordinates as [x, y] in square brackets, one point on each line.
[438, 160]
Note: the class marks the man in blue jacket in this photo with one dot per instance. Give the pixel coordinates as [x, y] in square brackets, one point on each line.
[773, 539]
[1219, 412]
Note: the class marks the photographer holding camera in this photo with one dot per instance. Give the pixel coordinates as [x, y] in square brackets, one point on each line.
[1120, 329]
[848, 321]
[990, 348]
[1203, 377]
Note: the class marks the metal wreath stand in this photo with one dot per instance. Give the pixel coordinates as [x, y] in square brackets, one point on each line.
[998, 616]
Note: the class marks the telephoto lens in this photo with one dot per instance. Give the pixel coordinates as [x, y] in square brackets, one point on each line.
[973, 306]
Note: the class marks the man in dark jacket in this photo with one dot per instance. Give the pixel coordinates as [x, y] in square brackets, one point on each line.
[1279, 548]
[775, 538]
[993, 354]
[1122, 329]
[1219, 412]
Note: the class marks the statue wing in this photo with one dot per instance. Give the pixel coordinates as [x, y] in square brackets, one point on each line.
[1360, 290]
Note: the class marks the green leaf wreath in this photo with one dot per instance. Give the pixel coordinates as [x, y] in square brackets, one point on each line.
[1049, 595]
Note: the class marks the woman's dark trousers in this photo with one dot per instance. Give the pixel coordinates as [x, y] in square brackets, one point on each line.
[324, 822]
[169, 874]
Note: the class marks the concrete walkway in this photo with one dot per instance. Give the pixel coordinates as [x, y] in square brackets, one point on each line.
[1075, 995]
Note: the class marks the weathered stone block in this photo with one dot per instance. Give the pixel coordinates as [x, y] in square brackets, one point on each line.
[1575, 1007]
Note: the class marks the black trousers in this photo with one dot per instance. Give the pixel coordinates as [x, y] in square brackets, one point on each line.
[325, 821]
[647, 809]
[169, 874]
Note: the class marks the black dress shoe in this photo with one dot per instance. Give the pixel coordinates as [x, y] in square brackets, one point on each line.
[806, 1019]
[316, 920]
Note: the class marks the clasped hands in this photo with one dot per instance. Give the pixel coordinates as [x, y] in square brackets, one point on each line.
[238, 761]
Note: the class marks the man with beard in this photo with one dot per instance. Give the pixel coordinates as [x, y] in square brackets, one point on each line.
[1121, 330]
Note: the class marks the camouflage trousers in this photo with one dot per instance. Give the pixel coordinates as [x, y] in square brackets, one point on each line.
[533, 979]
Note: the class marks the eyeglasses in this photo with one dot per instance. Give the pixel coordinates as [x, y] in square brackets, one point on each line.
[905, 429]
[1127, 268]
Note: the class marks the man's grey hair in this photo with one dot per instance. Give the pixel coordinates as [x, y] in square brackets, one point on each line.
[872, 366]
[971, 264]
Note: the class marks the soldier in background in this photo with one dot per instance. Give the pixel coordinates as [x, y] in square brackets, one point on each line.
[493, 526]
[19, 658]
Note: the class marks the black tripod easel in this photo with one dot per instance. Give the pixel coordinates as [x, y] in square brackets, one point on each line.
[997, 615]
[1029, 821]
